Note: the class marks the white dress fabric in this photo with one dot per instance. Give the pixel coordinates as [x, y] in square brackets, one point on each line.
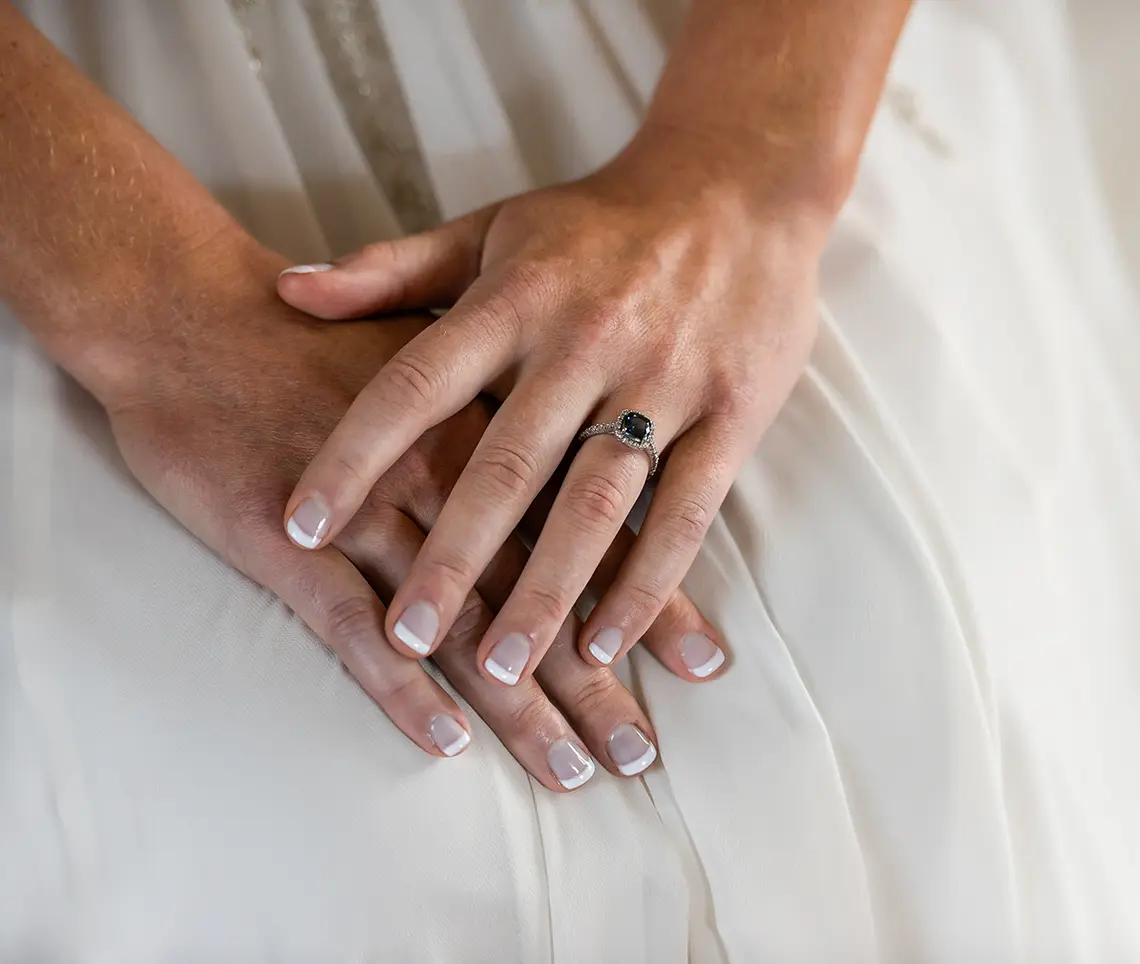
[925, 749]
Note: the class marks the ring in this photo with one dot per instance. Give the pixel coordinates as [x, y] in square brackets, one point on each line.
[630, 428]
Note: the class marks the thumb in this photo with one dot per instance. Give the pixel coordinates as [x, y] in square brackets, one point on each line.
[429, 270]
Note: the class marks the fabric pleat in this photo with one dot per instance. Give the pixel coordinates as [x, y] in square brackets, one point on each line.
[924, 750]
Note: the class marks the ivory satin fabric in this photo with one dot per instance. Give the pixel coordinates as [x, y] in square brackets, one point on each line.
[926, 748]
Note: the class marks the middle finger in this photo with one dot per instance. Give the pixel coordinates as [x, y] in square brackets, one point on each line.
[518, 453]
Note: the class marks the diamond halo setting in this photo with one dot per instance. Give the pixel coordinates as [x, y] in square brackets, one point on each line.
[632, 429]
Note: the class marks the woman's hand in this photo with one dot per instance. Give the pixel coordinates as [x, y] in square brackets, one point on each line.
[645, 287]
[138, 284]
[238, 395]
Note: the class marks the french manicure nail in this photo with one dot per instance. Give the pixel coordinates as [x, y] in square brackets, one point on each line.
[701, 655]
[448, 735]
[570, 764]
[508, 658]
[417, 627]
[630, 750]
[606, 645]
[307, 269]
[309, 522]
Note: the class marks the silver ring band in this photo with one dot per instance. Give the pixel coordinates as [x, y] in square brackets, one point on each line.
[631, 429]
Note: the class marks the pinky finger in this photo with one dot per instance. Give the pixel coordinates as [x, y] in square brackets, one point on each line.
[684, 643]
[679, 627]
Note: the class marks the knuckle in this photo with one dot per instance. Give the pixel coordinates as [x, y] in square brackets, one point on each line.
[608, 314]
[671, 354]
[415, 379]
[246, 533]
[373, 524]
[529, 716]
[686, 523]
[676, 618]
[505, 306]
[349, 466]
[596, 501]
[382, 259]
[676, 612]
[549, 605]
[733, 383]
[597, 692]
[729, 392]
[603, 320]
[376, 252]
[354, 624]
[644, 598]
[453, 567]
[672, 619]
[470, 623]
[391, 692]
[507, 466]
[531, 281]
[580, 357]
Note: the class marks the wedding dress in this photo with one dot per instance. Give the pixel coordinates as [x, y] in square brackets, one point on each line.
[926, 747]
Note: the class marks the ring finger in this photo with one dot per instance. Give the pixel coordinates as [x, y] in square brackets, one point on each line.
[679, 633]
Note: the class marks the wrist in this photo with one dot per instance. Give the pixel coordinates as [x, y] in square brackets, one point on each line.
[140, 317]
[776, 98]
[737, 183]
[806, 173]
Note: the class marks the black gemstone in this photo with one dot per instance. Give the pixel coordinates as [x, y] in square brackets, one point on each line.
[635, 426]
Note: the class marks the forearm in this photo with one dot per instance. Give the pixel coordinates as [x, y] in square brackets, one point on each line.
[785, 89]
[101, 230]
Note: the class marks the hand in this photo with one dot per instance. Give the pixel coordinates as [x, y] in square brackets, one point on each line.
[642, 287]
[238, 397]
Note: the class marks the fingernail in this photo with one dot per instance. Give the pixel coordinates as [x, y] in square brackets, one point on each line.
[606, 645]
[508, 658]
[701, 655]
[309, 522]
[631, 750]
[417, 627]
[570, 764]
[306, 269]
[448, 735]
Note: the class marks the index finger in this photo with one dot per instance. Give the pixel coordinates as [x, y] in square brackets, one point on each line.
[430, 379]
